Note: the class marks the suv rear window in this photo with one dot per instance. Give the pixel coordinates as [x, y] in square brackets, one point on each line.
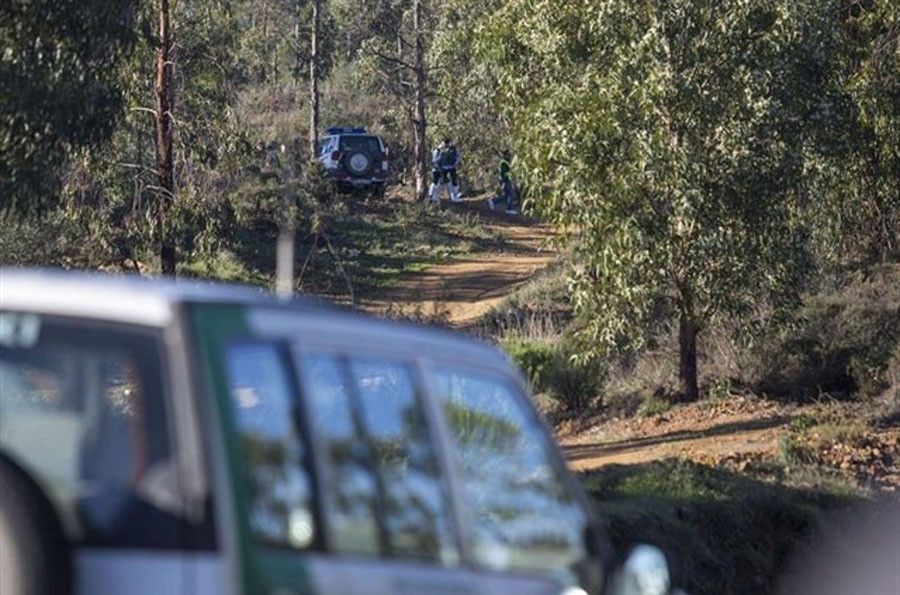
[368, 144]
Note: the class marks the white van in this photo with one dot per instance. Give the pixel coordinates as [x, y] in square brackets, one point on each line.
[160, 438]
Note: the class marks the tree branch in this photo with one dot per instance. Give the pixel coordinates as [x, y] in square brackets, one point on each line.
[392, 59]
[143, 109]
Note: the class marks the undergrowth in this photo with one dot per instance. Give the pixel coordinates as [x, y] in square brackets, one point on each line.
[722, 532]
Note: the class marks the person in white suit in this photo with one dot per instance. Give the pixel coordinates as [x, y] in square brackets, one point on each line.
[445, 161]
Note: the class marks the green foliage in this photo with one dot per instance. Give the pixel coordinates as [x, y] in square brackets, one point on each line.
[655, 135]
[60, 77]
[790, 452]
[851, 153]
[722, 533]
[844, 344]
[654, 406]
[697, 153]
[802, 422]
[534, 358]
[572, 384]
[464, 105]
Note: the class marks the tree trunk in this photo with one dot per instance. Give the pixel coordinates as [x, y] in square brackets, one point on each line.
[164, 170]
[298, 55]
[314, 81]
[687, 351]
[421, 127]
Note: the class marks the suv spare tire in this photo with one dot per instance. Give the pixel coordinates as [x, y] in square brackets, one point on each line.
[34, 555]
[358, 163]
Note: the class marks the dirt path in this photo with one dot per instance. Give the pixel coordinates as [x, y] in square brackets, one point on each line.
[461, 291]
[705, 433]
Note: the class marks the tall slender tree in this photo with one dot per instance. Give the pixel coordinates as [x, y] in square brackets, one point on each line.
[314, 79]
[420, 124]
[165, 174]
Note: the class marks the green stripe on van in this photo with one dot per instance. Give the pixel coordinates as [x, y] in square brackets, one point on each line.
[262, 569]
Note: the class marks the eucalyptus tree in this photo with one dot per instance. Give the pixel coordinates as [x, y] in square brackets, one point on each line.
[60, 71]
[654, 135]
[852, 152]
[390, 40]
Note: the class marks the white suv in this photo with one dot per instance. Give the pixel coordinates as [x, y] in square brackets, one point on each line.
[355, 159]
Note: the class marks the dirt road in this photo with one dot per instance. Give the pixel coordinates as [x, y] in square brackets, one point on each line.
[461, 291]
[702, 432]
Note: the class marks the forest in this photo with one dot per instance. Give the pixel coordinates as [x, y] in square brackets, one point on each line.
[701, 161]
[718, 183]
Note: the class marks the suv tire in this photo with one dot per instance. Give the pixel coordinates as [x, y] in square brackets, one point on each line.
[34, 554]
[358, 163]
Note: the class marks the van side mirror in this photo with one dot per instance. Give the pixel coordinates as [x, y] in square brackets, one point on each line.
[645, 572]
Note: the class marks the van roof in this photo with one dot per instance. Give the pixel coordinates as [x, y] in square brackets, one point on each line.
[145, 301]
[125, 298]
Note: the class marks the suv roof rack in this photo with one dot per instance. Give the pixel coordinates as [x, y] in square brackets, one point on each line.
[338, 130]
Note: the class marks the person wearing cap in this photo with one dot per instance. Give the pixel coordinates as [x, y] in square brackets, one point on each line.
[445, 160]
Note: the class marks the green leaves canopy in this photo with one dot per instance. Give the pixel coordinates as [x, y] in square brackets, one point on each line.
[59, 80]
[657, 137]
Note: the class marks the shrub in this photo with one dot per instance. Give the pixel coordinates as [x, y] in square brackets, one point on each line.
[892, 378]
[722, 532]
[642, 383]
[572, 385]
[845, 341]
[653, 406]
[533, 357]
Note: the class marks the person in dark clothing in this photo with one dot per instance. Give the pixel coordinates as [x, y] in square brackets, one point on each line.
[508, 191]
[445, 160]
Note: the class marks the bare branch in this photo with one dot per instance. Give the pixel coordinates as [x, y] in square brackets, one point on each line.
[392, 59]
[143, 109]
[143, 169]
[162, 191]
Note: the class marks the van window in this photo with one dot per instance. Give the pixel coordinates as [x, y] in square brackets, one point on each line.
[368, 144]
[519, 513]
[350, 482]
[82, 408]
[280, 511]
[414, 499]
[385, 492]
